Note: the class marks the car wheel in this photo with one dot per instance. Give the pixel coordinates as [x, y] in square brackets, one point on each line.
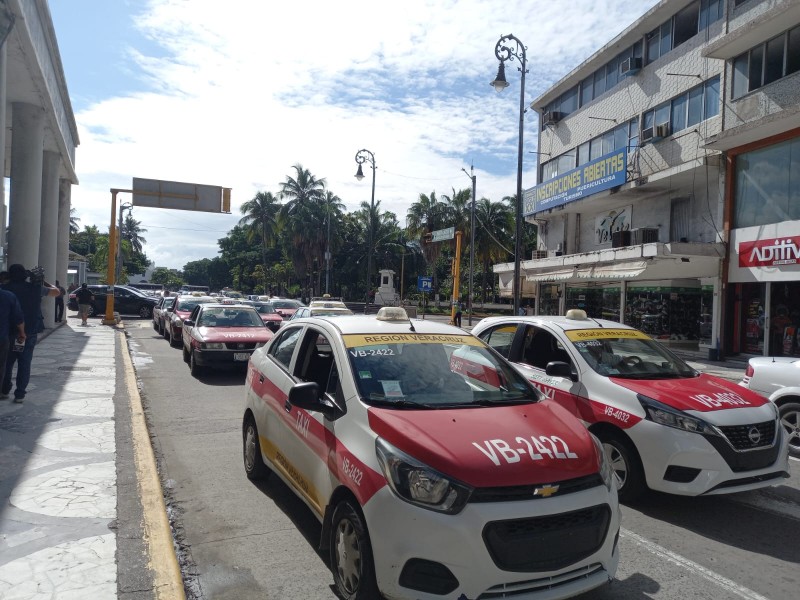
[173, 340]
[254, 466]
[626, 464]
[790, 419]
[194, 368]
[185, 354]
[351, 554]
[145, 311]
[155, 325]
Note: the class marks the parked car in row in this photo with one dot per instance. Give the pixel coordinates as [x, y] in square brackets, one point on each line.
[285, 308]
[429, 482]
[269, 315]
[160, 312]
[778, 378]
[222, 335]
[177, 313]
[663, 425]
[127, 301]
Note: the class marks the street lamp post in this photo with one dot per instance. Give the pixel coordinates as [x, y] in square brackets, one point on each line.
[473, 177]
[509, 53]
[363, 156]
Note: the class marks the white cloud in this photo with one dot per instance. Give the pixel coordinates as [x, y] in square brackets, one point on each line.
[241, 91]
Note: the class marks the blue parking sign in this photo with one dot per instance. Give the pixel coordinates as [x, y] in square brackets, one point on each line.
[424, 284]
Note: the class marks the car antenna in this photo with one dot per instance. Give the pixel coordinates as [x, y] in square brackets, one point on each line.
[411, 326]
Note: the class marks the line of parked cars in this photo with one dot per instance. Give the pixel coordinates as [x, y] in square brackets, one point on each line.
[444, 464]
[127, 301]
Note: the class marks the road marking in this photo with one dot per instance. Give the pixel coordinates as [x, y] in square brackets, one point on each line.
[692, 566]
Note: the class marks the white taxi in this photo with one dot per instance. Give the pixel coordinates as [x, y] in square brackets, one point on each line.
[664, 425]
[429, 484]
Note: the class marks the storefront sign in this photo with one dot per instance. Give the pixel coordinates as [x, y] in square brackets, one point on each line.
[770, 252]
[616, 219]
[600, 174]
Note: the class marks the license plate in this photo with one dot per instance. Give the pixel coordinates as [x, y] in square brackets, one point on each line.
[241, 356]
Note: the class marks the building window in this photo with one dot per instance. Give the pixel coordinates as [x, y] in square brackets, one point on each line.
[688, 109]
[767, 62]
[768, 185]
[682, 26]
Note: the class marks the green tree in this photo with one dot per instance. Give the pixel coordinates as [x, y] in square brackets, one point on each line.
[494, 222]
[425, 216]
[132, 231]
[73, 221]
[261, 220]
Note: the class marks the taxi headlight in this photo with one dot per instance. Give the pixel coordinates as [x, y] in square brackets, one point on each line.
[212, 346]
[260, 344]
[671, 417]
[604, 465]
[418, 484]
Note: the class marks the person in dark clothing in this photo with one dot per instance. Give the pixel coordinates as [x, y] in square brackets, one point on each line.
[60, 302]
[459, 310]
[85, 298]
[10, 318]
[30, 296]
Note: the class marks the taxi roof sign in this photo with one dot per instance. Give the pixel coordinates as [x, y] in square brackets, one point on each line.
[392, 313]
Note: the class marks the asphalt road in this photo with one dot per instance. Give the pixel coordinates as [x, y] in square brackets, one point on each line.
[240, 540]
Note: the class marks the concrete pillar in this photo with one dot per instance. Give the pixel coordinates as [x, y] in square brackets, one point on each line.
[25, 198]
[3, 207]
[48, 232]
[62, 245]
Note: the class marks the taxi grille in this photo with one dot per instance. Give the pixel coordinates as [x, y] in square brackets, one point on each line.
[547, 543]
[240, 345]
[747, 437]
[526, 492]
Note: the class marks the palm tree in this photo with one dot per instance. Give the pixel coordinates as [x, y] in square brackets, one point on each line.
[494, 224]
[301, 218]
[132, 231]
[73, 221]
[261, 219]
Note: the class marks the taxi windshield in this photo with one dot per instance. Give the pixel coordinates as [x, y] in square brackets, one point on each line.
[188, 304]
[628, 353]
[265, 309]
[229, 317]
[433, 371]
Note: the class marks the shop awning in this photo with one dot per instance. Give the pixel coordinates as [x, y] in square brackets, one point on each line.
[555, 275]
[626, 270]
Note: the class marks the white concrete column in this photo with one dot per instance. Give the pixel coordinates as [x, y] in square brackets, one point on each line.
[25, 198]
[48, 232]
[62, 245]
[3, 95]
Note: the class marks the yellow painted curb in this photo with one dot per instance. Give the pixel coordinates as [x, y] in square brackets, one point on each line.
[167, 579]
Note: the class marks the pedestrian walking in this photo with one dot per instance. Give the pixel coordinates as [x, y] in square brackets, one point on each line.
[60, 302]
[29, 287]
[85, 297]
[12, 330]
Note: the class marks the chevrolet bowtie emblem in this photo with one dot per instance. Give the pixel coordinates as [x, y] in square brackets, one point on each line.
[545, 491]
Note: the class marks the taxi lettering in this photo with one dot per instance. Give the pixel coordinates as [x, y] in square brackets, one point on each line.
[301, 424]
[615, 413]
[720, 400]
[535, 447]
[549, 392]
[352, 471]
[238, 335]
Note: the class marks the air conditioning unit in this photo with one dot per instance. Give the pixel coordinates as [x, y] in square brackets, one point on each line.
[630, 66]
[620, 239]
[551, 117]
[653, 134]
[644, 235]
[539, 254]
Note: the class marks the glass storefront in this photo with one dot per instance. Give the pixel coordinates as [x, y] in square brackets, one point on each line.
[549, 297]
[753, 317]
[598, 300]
[784, 319]
[666, 309]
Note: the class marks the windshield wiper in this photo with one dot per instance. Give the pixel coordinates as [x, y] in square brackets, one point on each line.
[399, 403]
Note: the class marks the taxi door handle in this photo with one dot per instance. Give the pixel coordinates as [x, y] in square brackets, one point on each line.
[261, 378]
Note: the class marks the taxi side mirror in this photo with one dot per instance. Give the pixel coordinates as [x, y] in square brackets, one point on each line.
[188, 323]
[559, 368]
[307, 395]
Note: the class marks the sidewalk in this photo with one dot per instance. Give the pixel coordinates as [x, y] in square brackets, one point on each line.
[71, 518]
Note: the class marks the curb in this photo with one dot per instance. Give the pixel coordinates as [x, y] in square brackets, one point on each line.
[163, 562]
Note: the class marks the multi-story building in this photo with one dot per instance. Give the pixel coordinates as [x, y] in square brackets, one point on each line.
[638, 146]
[760, 140]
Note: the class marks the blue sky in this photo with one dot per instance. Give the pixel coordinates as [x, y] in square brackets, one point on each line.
[235, 93]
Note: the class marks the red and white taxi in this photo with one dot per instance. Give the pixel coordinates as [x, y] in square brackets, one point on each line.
[664, 425]
[429, 484]
[175, 315]
[222, 335]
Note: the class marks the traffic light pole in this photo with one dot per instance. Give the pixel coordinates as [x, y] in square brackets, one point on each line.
[456, 278]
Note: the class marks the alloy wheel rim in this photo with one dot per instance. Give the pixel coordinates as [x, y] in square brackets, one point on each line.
[249, 448]
[791, 424]
[618, 464]
[348, 556]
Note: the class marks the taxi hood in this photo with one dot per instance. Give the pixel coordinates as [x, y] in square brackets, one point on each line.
[492, 446]
[703, 394]
[238, 334]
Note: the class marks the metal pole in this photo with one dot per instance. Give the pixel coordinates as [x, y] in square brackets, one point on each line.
[112, 240]
[473, 177]
[328, 250]
[363, 156]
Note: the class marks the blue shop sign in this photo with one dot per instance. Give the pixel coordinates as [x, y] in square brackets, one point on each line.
[603, 173]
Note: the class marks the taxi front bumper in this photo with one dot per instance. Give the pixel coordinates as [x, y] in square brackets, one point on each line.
[222, 358]
[412, 563]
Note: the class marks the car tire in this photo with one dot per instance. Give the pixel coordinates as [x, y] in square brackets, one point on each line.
[254, 466]
[145, 311]
[173, 341]
[351, 554]
[626, 465]
[790, 419]
[155, 325]
[185, 355]
[194, 368]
